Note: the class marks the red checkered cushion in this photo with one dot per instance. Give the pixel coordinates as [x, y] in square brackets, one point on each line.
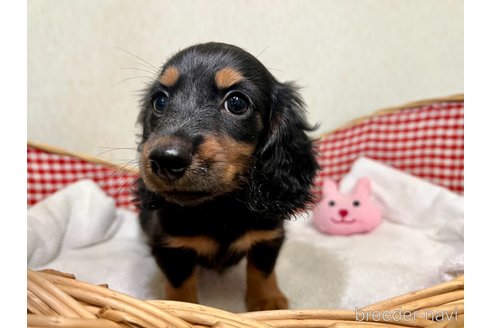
[425, 141]
[48, 172]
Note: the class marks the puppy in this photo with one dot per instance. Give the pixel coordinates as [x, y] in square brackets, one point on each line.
[224, 160]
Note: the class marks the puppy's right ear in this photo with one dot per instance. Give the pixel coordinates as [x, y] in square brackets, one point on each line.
[285, 164]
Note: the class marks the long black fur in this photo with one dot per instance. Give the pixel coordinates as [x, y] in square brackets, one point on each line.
[282, 175]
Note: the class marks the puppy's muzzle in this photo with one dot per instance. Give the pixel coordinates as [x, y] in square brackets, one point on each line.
[170, 161]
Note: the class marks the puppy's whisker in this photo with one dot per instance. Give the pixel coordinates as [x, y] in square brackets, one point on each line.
[128, 184]
[139, 58]
[131, 164]
[154, 71]
[126, 163]
[266, 48]
[138, 69]
[131, 78]
[125, 167]
[111, 149]
[123, 176]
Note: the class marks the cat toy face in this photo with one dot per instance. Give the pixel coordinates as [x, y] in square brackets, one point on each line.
[346, 214]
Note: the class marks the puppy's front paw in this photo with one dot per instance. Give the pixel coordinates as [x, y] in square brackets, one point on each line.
[262, 292]
[267, 302]
[186, 293]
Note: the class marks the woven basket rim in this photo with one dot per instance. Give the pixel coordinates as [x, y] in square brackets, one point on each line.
[57, 297]
[385, 111]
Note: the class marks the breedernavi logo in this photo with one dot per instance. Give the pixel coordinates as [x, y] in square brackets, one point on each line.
[399, 315]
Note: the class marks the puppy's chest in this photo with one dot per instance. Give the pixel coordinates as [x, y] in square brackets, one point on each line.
[219, 235]
[210, 247]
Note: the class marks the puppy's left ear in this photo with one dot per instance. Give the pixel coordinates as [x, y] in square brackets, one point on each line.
[285, 165]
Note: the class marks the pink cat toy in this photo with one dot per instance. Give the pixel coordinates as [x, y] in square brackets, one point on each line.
[339, 214]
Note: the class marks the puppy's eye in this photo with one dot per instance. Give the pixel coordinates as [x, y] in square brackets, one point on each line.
[356, 203]
[236, 104]
[160, 102]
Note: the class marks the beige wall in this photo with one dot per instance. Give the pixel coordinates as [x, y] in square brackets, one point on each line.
[351, 56]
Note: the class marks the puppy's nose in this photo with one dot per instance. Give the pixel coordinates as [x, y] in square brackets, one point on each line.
[170, 162]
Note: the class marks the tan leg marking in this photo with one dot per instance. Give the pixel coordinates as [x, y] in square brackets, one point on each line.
[187, 292]
[262, 291]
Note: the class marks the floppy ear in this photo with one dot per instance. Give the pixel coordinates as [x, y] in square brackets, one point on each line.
[285, 165]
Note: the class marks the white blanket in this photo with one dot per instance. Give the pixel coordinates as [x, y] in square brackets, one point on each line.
[419, 243]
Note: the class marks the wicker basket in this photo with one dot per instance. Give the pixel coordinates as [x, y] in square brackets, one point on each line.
[57, 299]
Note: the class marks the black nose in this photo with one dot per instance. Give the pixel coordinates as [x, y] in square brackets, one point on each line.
[171, 161]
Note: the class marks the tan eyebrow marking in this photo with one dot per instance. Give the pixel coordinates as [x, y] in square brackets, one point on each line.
[169, 77]
[227, 77]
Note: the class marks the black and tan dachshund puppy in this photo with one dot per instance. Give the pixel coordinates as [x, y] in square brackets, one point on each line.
[224, 160]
